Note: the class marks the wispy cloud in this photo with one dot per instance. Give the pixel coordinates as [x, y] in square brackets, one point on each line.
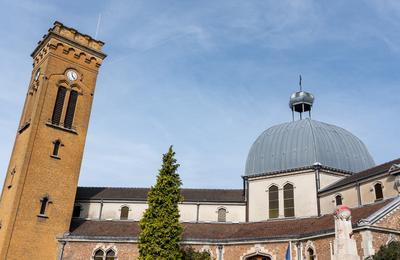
[208, 77]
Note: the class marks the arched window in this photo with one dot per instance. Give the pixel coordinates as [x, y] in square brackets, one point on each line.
[98, 255]
[310, 254]
[288, 200]
[69, 115]
[110, 255]
[378, 191]
[258, 257]
[124, 213]
[58, 106]
[43, 205]
[56, 147]
[221, 215]
[338, 200]
[273, 202]
[77, 211]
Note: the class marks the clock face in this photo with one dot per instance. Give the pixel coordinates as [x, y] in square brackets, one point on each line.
[72, 75]
[37, 75]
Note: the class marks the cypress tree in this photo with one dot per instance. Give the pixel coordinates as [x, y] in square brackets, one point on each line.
[161, 231]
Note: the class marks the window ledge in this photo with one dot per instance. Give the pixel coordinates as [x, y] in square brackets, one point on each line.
[70, 130]
[42, 216]
[55, 157]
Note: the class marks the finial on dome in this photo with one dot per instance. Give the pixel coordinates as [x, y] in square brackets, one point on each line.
[301, 101]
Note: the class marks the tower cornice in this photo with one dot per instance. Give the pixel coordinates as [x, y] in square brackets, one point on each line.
[71, 37]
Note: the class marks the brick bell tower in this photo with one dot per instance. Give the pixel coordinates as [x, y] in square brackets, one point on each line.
[40, 186]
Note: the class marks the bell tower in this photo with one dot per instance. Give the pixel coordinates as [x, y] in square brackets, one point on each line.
[40, 185]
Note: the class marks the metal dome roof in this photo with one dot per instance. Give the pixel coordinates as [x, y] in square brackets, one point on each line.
[303, 143]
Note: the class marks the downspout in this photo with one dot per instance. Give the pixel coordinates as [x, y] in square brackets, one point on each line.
[61, 255]
[220, 248]
[198, 211]
[101, 209]
[358, 194]
[247, 199]
[298, 247]
[317, 167]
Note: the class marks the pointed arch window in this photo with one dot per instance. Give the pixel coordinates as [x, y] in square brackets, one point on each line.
[378, 191]
[124, 213]
[310, 254]
[98, 255]
[221, 215]
[338, 200]
[273, 201]
[110, 255]
[58, 106]
[69, 115]
[288, 200]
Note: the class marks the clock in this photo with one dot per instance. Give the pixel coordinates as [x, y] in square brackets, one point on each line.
[72, 75]
[37, 75]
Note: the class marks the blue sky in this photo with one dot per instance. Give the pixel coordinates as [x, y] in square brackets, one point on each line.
[209, 77]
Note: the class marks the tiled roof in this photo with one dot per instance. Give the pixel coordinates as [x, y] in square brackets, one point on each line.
[382, 168]
[140, 194]
[272, 229]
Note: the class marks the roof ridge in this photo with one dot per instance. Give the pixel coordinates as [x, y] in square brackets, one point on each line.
[359, 175]
[379, 165]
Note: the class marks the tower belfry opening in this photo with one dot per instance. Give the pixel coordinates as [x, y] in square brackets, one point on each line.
[301, 102]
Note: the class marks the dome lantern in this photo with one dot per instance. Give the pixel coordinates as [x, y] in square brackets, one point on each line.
[301, 101]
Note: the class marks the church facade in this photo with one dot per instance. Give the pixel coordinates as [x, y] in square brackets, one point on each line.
[296, 175]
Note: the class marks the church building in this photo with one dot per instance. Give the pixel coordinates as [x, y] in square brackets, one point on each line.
[296, 175]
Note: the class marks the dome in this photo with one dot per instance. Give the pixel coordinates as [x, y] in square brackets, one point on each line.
[305, 142]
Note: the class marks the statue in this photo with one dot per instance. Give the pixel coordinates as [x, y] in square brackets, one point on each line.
[344, 246]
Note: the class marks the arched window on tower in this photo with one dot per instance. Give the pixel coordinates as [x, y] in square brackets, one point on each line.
[221, 215]
[110, 255]
[43, 205]
[338, 200]
[58, 106]
[378, 191]
[288, 200]
[56, 148]
[98, 255]
[124, 213]
[69, 115]
[273, 201]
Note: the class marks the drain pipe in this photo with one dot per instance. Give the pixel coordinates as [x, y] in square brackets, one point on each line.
[220, 248]
[101, 209]
[61, 255]
[298, 246]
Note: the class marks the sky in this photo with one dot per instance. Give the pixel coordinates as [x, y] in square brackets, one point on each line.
[209, 76]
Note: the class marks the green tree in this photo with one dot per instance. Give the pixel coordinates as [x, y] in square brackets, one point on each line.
[388, 252]
[190, 254]
[161, 231]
